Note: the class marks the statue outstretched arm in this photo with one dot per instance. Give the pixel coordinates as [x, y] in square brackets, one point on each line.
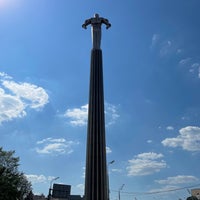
[86, 23]
[106, 22]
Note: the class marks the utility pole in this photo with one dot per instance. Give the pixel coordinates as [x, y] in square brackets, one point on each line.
[120, 191]
[110, 163]
[50, 187]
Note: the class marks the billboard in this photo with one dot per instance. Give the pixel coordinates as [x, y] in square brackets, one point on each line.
[61, 191]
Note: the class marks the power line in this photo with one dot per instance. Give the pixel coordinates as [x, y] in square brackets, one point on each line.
[157, 192]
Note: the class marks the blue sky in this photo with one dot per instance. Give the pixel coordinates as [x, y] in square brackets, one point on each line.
[151, 85]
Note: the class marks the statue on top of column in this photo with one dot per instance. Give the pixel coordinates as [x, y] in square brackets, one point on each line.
[96, 22]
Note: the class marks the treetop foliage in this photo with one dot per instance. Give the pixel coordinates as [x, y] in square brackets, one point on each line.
[13, 183]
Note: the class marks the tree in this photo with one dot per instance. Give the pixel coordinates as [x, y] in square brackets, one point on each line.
[30, 196]
[13, 184]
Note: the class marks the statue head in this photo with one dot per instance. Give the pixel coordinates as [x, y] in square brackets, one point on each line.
[96, 15]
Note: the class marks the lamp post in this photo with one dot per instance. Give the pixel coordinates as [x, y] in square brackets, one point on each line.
[50, 187]
[111, 162]
[120, 190]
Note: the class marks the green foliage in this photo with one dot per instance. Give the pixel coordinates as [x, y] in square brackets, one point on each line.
[29, 196]
[13, 184]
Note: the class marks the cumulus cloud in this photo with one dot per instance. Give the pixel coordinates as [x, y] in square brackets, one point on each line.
[164, 189]
[170, 128]
[81, 187]
[79, 116]
[163, 46]
[15, 98]
[39, 179]
[111, 114]
[116, 170]
[10, 107]
[108, 150]
[188, 139]
[193, 67]
[36, 178]
[146, 164]
[32, 95]
[55, 146]
[166, 48]
[180, 179]
[184, 61]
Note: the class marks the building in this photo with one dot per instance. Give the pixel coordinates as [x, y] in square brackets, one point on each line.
[39, 197]
[63, 192]
[196, 192]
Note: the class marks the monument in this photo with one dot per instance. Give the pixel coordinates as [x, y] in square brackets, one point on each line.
[96, 179]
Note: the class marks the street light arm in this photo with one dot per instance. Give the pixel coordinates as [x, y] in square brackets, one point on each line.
[121, 187]
[49, 196]
[53, 180]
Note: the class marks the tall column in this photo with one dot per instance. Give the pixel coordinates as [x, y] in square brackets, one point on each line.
[96, 187]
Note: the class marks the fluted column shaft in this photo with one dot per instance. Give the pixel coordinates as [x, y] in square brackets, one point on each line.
[96, 168]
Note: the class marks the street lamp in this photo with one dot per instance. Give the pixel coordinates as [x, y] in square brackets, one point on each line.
[120, 190]
[50, 187]
[111, 162]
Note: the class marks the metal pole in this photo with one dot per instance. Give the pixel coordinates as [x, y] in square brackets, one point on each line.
[120, 190]
[111, 162]
[50, 187]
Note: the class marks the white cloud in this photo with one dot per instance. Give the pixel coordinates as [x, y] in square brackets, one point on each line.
[165, 189]
[79, 116]
[170, 128]
[188, 139]
[83, 175]
[4, 76]
[154, 40]
[32, 95]
[10, 107]
[36, 178]
[149, 141]
[108, 150]
[195, 68]
[199, 72]
[55, 146]
[116, 170]
[166, 48]
[145, 164]
[15, 98]
[179, 51]
[60, 140]
[111, 114]
[81, 187]
[195, 65]
[184, 61]
[180, 179]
